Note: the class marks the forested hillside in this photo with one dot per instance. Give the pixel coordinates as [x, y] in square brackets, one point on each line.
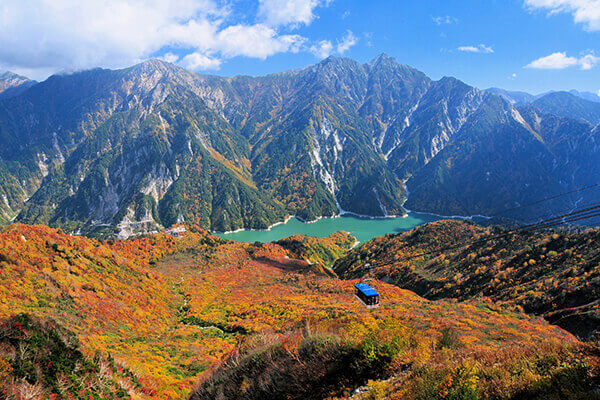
[555, 274]
[151, 316]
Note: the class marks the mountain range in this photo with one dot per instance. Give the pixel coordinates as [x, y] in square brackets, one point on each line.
[522, 98]
[120, 152]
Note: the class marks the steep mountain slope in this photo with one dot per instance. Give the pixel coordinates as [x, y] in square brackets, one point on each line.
[548, 273]
[586, 95]
[393, 93]
[42, 360]
[515, 97]
[505, 157]
[169, 309]
[438, 116]
[317, 153]
[137, 147]
[564, 104]
[131, 151]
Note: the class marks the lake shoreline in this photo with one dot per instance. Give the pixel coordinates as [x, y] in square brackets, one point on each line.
[361, 224]
[363, 228]
[289, 217]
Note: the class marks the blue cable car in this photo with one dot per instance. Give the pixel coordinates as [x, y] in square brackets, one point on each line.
[366, 294]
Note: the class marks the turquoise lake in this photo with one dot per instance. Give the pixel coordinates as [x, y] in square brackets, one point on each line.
[361, 228]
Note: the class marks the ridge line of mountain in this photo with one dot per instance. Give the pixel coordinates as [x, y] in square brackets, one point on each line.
[130, 151]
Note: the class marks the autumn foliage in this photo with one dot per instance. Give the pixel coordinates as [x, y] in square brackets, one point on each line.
[551, 273]
[175, 310]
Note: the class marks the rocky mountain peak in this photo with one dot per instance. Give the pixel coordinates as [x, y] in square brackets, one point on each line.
[158, 69]
[381, 59]
[10, 80]
[154, 64]
[8, 76]
[451, 82]
[337, 65]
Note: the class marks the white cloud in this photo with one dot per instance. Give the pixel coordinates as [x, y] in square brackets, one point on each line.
[553, 61]
[43, 36]
[257, 41]
[75, 34]
[322, 49]
[285, 12]
[560, 60]
[198, 61]
[348, 41]
[170, 57]
[444, 20]
[586, 12]
[325, 48]
[482, 48]
[588, 61]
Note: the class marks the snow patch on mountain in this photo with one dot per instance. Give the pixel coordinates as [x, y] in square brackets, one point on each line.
[538, 120]
[162, 123]
[518, 117]
[203, 137]
[471, 102]
[326, 157]
[398, 138]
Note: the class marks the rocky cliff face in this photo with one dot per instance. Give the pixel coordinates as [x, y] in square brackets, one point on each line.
[129, 151]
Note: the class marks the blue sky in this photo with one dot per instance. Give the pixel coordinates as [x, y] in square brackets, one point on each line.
[531, 45]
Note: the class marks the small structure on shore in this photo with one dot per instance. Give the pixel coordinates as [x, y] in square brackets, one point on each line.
[176, 231]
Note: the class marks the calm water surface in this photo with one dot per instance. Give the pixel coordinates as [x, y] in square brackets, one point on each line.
[363, 229]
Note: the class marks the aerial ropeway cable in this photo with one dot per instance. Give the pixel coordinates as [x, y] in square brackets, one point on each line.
[591, 211]
[596, 185]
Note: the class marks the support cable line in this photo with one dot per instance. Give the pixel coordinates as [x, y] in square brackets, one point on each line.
[546, 199]
[590, 212]
[592, 208]
[562, 222]
[547, 216]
